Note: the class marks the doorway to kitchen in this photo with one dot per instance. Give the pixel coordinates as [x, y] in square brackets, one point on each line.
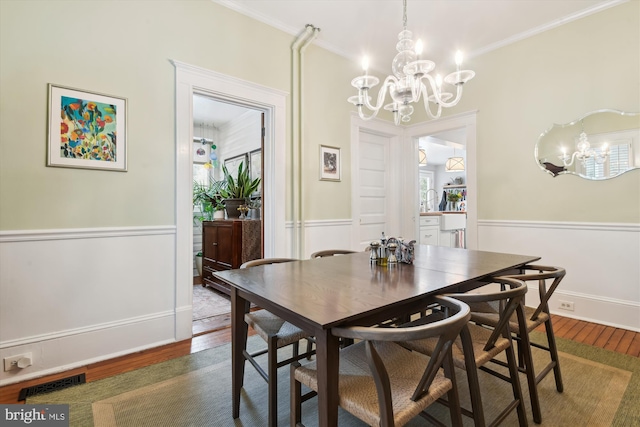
[450, 143]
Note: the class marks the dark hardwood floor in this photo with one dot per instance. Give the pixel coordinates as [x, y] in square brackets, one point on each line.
[610, 338]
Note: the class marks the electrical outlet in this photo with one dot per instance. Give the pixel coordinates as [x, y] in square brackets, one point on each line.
[566, 305]
[11, 362]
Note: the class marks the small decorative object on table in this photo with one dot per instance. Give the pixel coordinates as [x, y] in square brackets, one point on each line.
[243, 209]
[391, 251]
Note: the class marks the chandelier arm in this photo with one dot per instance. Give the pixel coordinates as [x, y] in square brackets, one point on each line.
[363, 116]
[382, 93]
[416, 88]
[427, 104]
[455, 100]
[573, 158]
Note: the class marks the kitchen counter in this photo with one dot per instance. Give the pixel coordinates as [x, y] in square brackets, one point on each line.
[440, 213]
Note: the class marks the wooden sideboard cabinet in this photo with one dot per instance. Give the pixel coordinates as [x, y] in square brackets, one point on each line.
[226, 245]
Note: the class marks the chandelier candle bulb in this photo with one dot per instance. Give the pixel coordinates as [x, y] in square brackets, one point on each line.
[365, 65]
[458, 59]
[419, 47]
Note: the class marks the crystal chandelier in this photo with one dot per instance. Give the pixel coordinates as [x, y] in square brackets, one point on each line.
[410, 81]
[584, 151]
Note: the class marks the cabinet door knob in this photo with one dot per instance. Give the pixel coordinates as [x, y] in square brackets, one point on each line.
[214, 244]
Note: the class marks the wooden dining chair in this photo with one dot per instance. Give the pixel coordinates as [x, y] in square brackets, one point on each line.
[478, 345]
[383, 383]
[548, 278]
[331, 252]
[277, 333]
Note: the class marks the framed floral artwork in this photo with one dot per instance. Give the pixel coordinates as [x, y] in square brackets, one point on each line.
[86, 130]
[329, 163]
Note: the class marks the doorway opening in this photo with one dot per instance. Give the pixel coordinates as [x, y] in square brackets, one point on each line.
[442, 139]
[192, 80]
[224, 133]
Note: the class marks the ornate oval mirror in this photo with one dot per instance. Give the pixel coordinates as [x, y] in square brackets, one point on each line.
[600, 145]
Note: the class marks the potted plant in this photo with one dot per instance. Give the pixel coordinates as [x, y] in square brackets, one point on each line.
[453, 199]
[254, 208]
[209, 199]
[236, 190]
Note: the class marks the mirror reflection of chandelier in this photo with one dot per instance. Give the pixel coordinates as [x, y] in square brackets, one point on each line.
[584, 151]
[410, 82]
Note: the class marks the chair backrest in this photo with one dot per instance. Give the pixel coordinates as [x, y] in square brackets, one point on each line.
[506, 302]
[263, 261]
[446, 329]
[542, 274]
[331, 252]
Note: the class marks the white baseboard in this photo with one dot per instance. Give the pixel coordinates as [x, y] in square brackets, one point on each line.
[61, 352]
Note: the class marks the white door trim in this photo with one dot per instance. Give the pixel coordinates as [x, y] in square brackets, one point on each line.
[386, 129]
[189, 80]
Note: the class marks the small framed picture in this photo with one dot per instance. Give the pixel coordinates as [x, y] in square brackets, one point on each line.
[329, 163]
[86, 130]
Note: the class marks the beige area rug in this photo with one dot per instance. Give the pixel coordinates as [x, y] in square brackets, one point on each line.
[601, 389]
[208, 303]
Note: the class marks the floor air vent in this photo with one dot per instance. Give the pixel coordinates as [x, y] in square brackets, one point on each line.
[52, 386]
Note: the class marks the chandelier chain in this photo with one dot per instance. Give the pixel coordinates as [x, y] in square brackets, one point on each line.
[404, 15]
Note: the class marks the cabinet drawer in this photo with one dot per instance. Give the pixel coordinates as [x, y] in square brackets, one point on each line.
[429, 220]
[429, 235]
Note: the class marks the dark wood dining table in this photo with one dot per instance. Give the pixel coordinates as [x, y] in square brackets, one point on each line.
[319, 294]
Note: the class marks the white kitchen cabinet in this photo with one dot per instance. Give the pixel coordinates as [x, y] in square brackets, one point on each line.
[429, 230]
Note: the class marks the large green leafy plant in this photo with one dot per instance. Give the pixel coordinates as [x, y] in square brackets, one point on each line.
[208, 197]
[240, 187]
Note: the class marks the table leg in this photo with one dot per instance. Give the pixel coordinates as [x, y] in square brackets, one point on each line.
[239, 307]
[327, 361]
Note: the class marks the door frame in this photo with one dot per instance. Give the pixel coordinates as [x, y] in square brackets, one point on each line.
[464, 120]
[190, 80]
[396, 156]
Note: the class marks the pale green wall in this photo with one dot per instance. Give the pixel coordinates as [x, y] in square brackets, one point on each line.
[123, 48]
[555, 77]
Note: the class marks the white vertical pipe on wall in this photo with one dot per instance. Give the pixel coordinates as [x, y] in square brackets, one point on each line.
[296, 171]
[302, 245]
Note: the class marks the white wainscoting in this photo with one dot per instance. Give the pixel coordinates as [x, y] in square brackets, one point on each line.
[601, 259]
[73, 297]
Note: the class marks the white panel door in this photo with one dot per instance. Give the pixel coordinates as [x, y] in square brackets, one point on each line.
[373, 194]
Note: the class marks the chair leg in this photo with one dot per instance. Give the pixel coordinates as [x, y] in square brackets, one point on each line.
[309, 348]
[524, 349]
[452, 396]
[296, 397]
[272, 361]
[472, 378]
[515, 385]
[553, 351]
